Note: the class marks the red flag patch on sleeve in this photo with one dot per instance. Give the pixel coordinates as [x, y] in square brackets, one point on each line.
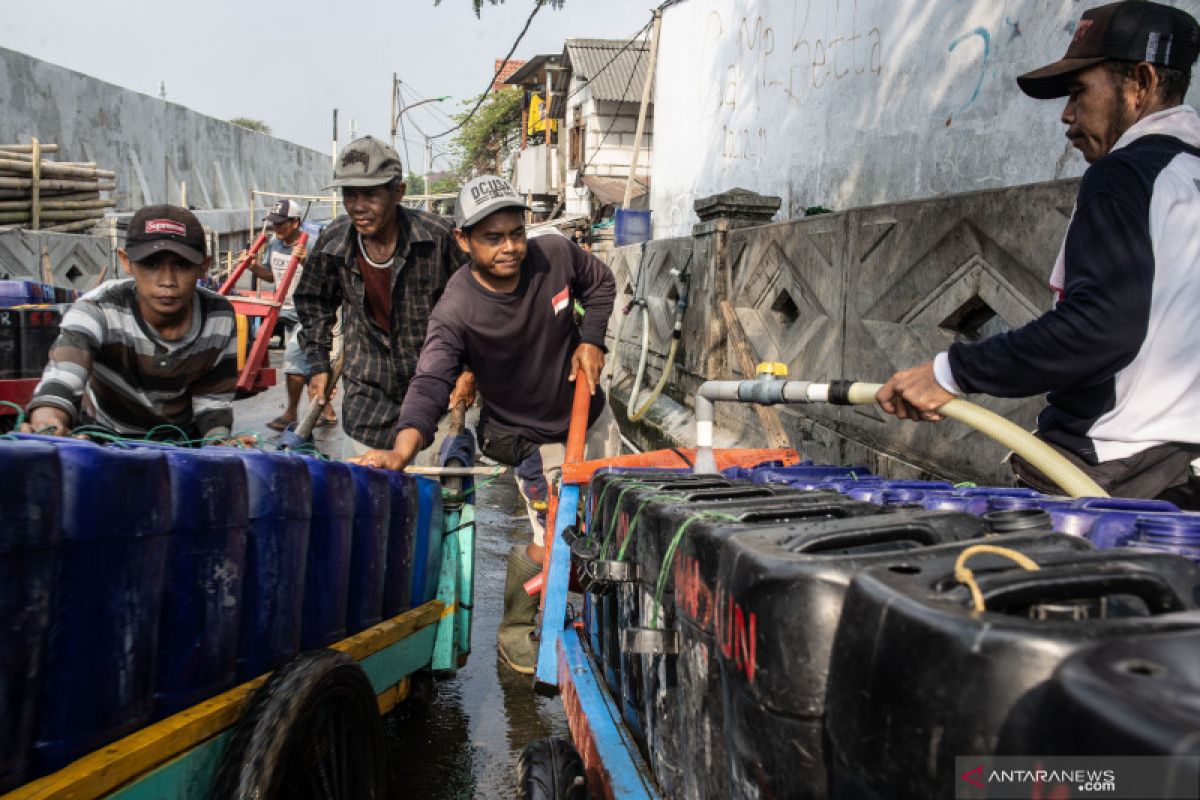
[561, 300]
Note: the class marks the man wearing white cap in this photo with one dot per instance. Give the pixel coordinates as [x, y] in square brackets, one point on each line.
[508, 317]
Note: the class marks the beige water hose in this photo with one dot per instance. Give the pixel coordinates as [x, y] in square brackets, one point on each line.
[1069, 477]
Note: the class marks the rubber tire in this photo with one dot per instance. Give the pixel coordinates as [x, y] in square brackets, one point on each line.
[265, 759]
[551, 769]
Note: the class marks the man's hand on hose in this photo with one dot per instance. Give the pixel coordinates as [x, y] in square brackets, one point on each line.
[590, 359]
[914, 394]
[464, 390]
[408, 444]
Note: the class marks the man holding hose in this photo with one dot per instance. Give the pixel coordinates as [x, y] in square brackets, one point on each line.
[1116, 355]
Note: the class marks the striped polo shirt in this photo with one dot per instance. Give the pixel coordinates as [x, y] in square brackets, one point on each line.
[108, 367]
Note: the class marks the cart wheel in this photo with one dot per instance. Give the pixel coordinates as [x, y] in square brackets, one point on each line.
[311, 731]
[551, 769]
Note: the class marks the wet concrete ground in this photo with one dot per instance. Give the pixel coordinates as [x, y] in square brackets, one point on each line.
[464, 739]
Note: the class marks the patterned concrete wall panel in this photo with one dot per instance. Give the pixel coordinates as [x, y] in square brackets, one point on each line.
[787, 287]
[74, 260]
[922, 275]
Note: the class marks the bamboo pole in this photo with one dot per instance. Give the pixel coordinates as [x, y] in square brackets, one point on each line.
[35, 196]
[28, 158]
[54, 170]
[51, 216]
[27, 148]
[73, 185]
[646, 99]
[72, 227]
[58, 204]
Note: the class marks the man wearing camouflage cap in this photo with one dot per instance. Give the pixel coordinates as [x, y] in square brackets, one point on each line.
[385, 266]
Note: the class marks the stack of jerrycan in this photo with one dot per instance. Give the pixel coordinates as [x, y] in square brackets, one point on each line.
[202, 593]
[1138, 696]
[30, 535]
[280, 502]
[919, 674]
[97, 671]
[368, 550]
[327, 574]
[703, 609]
[646, 608]
[780, 604]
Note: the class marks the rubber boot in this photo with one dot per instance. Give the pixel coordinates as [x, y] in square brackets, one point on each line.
[515, 638]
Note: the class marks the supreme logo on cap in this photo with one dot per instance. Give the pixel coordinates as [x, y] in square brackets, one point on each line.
[167, 226]
[1081, 30]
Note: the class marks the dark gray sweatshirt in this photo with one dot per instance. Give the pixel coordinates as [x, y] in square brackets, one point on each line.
[519, 345]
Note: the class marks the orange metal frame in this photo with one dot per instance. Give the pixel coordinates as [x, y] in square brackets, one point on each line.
[257, 374]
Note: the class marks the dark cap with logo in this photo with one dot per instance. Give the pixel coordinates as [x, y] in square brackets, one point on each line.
[366, 162]
[1134, 30]
[283, 210]
[482, 196]
[154, 229]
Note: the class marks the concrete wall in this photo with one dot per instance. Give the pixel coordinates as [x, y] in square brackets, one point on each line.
[150, 143]
[605, 156]
[846, 103]
[856, 295]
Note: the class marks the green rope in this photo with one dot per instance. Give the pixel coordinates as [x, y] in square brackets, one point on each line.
[497, 471]
[637, 515]
[665, 570]
[965, 485]
[631, 482]
[612, 522]
[20, 413]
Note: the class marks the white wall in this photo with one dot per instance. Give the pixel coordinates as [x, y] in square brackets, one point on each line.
[844, 103]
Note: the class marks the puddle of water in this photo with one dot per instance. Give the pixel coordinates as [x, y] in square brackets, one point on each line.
[464, 743]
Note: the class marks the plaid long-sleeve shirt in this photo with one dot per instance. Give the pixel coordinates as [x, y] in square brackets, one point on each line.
[379, 364]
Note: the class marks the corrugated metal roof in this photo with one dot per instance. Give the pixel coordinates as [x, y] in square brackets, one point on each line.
[588, 57]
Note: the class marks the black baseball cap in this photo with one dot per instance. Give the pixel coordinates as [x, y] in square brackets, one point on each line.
[1134, 30]
[283, 210]
[171, 228]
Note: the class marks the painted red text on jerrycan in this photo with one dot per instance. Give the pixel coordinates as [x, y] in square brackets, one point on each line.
[279, 492]
[368, 551]
[202, 596]
[98, 667]
[327, 574]
[30, 507]
[402, 521]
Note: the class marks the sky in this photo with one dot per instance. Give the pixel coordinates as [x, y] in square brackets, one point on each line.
[290, 65]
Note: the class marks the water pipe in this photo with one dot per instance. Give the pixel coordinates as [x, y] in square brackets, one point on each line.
[769, 388]
[681, 278]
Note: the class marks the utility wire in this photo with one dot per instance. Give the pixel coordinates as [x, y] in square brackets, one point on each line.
[636, 37]
[538, 4]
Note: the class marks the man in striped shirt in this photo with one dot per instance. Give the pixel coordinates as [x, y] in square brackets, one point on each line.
[149, 352]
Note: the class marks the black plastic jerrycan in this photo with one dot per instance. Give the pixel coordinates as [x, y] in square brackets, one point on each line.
[1138, 696]
[918, 676]
[779, 605]
[703, 762]
[605, 491]
[641, 513]
[650, 642]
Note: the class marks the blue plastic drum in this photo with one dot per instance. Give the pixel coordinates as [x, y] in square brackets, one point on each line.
[279, 493]
[368, 552]
[1171, 533]
[402, 523]
[327, 574]
[99, 663]
[202, 598]
[29, 538]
